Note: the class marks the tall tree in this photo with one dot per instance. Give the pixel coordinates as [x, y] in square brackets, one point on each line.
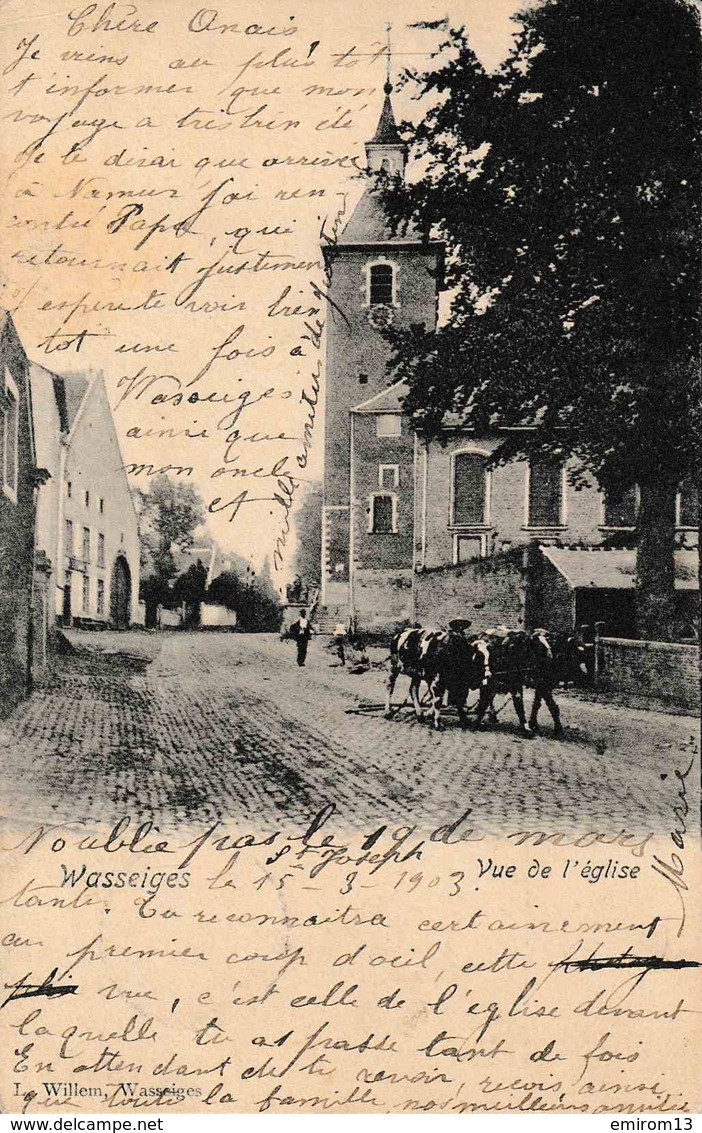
[566, 188]
[252, 596]
[189, 588]
[170, 513]
[308, 528]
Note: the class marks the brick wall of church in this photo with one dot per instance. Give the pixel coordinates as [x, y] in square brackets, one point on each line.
[356, 351]
[507, 520]
[383, 551]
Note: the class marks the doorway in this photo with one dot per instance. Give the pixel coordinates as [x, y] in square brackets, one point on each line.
[67, 584]
[120, 594]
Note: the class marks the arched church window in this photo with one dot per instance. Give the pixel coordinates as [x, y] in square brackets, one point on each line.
[382, 285]
[620, 507]
[471, 483]
[545, 494]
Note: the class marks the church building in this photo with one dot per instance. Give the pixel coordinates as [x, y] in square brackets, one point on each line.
[377, 278]
[424, 532]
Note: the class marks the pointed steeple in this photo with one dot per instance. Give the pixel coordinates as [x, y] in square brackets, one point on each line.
[386, 133]
[386, 150]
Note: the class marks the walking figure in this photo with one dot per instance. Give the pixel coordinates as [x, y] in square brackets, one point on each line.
[339, 640]
[301, 632]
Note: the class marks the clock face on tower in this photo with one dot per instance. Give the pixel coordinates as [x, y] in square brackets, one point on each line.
[381, 315]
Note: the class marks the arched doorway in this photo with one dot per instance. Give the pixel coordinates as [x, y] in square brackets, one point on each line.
[121, 594]
[67, 598]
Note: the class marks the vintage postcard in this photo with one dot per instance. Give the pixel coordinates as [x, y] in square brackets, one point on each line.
[349, 589]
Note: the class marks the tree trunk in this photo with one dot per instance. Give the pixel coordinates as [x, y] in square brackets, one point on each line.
[655, 564]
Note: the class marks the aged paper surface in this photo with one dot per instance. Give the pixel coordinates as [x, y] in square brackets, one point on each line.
[222, 887]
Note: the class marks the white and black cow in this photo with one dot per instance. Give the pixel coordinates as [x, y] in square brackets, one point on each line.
[449, 662]
[537, 659]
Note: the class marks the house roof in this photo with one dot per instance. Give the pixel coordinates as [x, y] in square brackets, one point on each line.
[614, 570]
[387, 401]
[75, 387]
[51, 391]
[48, 403]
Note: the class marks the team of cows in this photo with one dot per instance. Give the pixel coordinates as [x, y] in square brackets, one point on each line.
[453, 662]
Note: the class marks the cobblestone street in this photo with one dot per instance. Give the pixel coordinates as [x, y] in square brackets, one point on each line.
[204, 726]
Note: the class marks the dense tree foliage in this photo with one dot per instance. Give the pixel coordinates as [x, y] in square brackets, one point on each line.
[308, 528]
[169, 515]
[252, 597]
[566, 189]
[189, 591]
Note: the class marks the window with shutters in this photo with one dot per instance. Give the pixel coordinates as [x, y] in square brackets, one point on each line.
[620, 506]
[100, 596]
[101, 550]
[688, 504]
[382, 514]
[86, 544]
[381, 285]
[86, 593]
[69, 538]
[545, 494]
[470, 495]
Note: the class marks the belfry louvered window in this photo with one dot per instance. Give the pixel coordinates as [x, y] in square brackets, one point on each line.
[382, 285]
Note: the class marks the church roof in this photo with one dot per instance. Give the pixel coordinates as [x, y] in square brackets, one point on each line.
[369, 224]
[389, 400]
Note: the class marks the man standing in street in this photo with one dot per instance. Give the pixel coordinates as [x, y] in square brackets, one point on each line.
[339, 639]
[301, 632]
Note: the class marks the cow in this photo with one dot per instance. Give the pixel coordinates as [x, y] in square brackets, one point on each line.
[537, 659]
[449, 662]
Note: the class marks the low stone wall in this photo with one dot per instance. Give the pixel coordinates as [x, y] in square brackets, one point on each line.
[213, 616]
[382, 599]
[656, 669]
[489, 591]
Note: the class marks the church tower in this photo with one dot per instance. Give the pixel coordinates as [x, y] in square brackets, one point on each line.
[377, 278]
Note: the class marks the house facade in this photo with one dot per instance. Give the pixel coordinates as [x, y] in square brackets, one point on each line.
[86, 521]
[18, 481]
[424, 532]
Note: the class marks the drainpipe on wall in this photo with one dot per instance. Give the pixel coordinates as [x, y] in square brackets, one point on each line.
[61, 535]
[29, 678]
[323, 560]
[425, 486]
[415, 450]
[352, 523]
[39, 477]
